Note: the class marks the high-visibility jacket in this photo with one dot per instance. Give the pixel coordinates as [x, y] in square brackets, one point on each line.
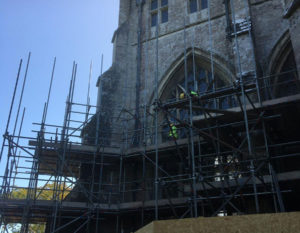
[193, 93]
[173, 132]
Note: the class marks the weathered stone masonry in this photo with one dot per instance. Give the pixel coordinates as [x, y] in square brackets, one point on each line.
[269, 22]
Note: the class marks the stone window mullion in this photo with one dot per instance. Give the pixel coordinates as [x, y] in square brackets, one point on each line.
[159, 9]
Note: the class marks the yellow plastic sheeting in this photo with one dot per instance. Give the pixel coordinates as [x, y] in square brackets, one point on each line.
[258, 223]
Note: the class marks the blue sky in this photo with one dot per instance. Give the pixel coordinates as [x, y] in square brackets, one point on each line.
[67, 29]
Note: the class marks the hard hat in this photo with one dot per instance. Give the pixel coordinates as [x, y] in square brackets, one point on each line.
[181, 96]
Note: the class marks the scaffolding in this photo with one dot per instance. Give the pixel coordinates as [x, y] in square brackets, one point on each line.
[108, 170]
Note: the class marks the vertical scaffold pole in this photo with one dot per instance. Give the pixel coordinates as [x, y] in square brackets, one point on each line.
[156, 126]
[271, 170]
[49, 91]
[241, 80]
[98, 111]
[212, 66]
[138, 74]
[191, 133]
[22, 92]
[19, 134]
[96, 150]
[88, 94]
[10, 110]
[64, 139]
[144, 184]
[14, 149]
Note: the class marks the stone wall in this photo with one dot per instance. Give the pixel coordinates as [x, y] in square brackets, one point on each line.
[262, 223]
[254, 48]
[294, 20]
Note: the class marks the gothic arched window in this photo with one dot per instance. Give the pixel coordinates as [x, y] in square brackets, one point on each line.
[194, 77]
[284, 80]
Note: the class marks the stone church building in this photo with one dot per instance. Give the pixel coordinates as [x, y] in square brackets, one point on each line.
[198, 115]
[241, 60]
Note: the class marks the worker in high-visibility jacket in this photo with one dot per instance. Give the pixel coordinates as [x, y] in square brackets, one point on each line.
[192, 94]
[173, 131]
